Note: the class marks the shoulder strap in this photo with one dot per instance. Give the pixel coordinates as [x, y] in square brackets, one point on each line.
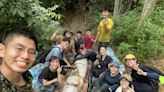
[57, 47]
[152, 69]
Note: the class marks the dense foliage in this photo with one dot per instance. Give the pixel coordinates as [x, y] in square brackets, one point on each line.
[44, 16]
[145, 42]
[29, 13]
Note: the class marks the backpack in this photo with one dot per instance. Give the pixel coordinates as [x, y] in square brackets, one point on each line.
[41, 57]
[154, 82]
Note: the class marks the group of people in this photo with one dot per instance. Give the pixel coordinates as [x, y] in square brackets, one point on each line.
[18, 54]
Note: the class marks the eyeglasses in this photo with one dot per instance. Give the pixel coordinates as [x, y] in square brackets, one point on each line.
[21, 49]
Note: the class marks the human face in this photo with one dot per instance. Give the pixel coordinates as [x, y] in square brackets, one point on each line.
[68, 34]
[113, 69]
[83, 51]
[102, 51]
[105, 14]
[130, 62]
[124, 83]
[78, 35]
[54, 64]
[88, 33]
[65, 44]
[19, 54]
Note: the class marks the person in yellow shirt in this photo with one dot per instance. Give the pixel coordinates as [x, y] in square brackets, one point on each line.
[103, 30]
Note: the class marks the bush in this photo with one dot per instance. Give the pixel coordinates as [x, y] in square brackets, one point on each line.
[146, 42]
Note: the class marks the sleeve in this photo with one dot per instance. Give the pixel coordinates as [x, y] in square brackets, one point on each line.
[110, 24]
[54, 52]
[109, 59]
[102, 75]
[98, 28]
[153, 75]
[114, 87]
[81, 41]
[43, 75]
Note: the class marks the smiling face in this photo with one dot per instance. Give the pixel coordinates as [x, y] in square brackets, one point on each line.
[54, 64]
[88, 33]
[130, 62]
[114, 69]
[105, 14]
[19, 54]
[68, 34]
[64, 44]
[102, 51]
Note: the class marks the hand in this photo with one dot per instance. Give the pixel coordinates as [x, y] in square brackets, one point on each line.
[104, 21]
[110, 90]
[76, 39]
[141, 72]
[59, 69]
[94, 41]
[96, 62]
[69, 65]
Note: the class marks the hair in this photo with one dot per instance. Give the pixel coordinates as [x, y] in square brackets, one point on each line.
[26, 32]
[88, 29]
[66, 39]
[79, 32]
[106, 9]
[130, 82]
[54, 58]
[65, 31]
[103, 47]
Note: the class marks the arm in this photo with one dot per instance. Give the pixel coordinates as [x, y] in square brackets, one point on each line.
[97, 36]
[59, 74]
[46, 82]
[53, 36]
[56, 37]
[96, 62]
[66, 61]
[148, 74]
[81, 42]
[108, 24]
[113, 87]
[53, 52]
[73, 46]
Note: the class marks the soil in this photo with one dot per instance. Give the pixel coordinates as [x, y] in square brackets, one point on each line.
[76, 21]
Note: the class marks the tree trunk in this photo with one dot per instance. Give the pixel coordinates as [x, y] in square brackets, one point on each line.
[117, 6]
[147, 9]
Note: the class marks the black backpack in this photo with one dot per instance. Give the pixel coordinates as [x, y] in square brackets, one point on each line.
[154, 82]
[42, 55]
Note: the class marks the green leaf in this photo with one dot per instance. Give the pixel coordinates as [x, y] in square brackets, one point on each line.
[1, 4]
[20, 13]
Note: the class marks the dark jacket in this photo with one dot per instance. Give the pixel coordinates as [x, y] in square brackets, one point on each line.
[144, 83]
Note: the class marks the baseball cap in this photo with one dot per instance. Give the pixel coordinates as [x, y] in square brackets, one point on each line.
[127, 77]
[114, 64]
[129, 56]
